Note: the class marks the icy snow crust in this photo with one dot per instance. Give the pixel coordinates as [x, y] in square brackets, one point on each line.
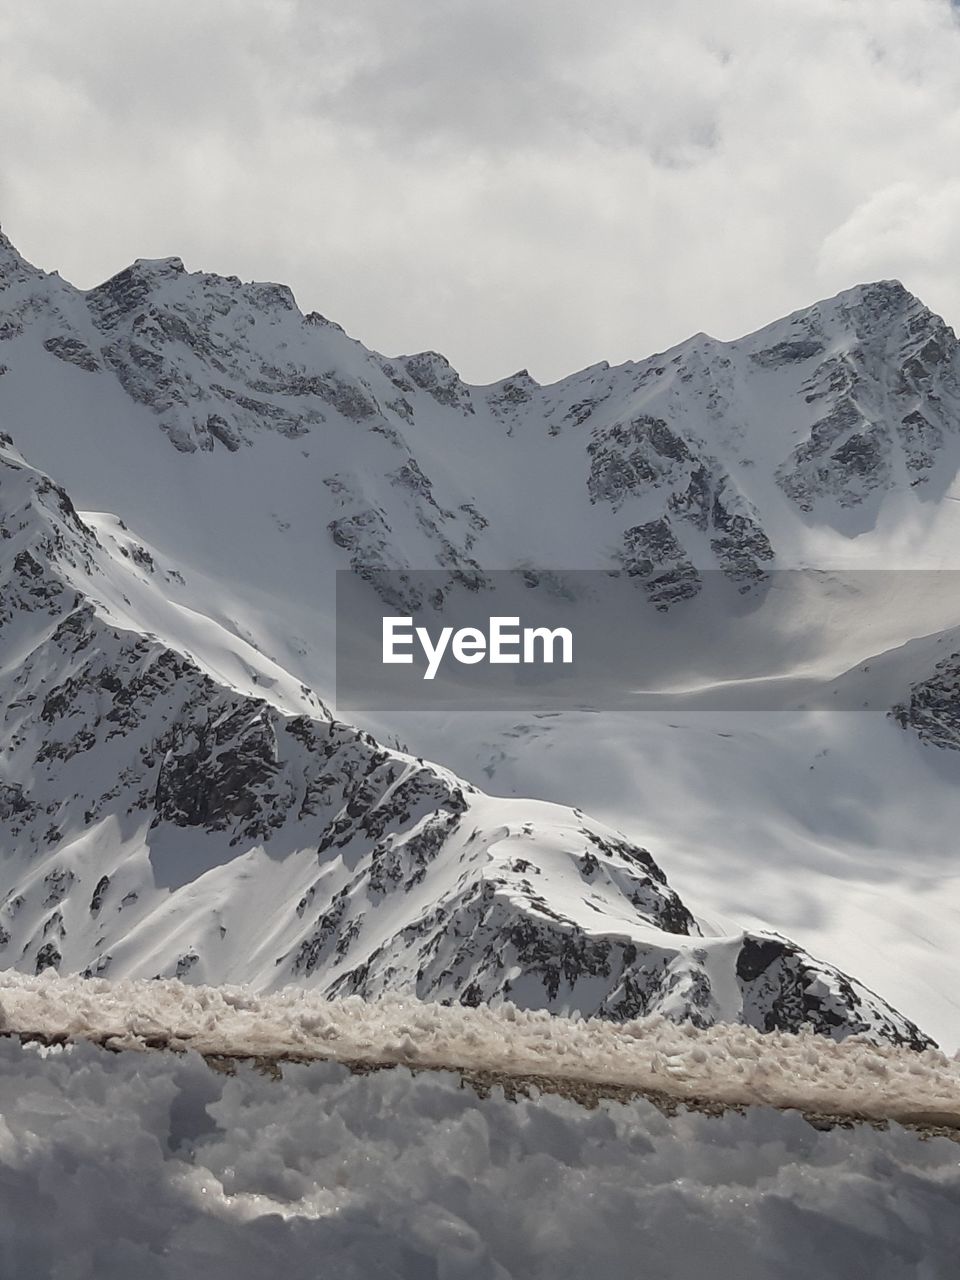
[726, 1065]
[152, 1165]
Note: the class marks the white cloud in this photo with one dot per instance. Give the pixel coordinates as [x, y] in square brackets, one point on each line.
[541, 184]
[906, 223]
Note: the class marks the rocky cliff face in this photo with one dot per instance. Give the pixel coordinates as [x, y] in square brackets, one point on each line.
[932, 709]
[887, 401]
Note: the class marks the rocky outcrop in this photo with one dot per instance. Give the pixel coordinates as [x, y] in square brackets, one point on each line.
[889, 398]
[932, 710]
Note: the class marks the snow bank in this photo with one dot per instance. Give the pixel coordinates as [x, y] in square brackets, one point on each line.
[724, 1064]
[152, 1165]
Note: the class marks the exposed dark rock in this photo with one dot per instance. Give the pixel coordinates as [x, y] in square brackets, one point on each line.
[72, 351]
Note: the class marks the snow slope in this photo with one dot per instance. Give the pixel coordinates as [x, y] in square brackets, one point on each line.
[250, 451]
[175, 804]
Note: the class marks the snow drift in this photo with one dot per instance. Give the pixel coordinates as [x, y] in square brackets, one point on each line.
[723, 1065]
[153, 1165]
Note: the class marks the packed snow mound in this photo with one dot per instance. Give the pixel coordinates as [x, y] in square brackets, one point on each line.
[723, 1065]
[115, 1165]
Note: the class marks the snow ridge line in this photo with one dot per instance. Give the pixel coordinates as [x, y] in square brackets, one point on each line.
[722, 1067]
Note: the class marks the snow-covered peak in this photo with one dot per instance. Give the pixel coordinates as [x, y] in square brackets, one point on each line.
[809, 429]
[14, 268]
[880, 324]
[158, 267]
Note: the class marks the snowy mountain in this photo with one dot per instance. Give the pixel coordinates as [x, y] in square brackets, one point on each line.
[160, 820]
[176, 796]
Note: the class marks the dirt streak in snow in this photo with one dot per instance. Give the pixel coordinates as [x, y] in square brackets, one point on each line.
[719, 1068]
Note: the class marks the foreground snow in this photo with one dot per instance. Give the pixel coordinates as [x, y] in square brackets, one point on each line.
[726, 1065]
[152, 1165]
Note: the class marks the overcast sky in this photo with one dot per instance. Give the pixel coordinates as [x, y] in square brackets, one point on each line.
[540, 183]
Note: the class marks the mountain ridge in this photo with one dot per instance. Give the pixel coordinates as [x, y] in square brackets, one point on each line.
[349, 831]
[246, 451]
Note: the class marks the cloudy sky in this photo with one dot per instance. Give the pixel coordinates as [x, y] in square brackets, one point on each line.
[540, 183]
